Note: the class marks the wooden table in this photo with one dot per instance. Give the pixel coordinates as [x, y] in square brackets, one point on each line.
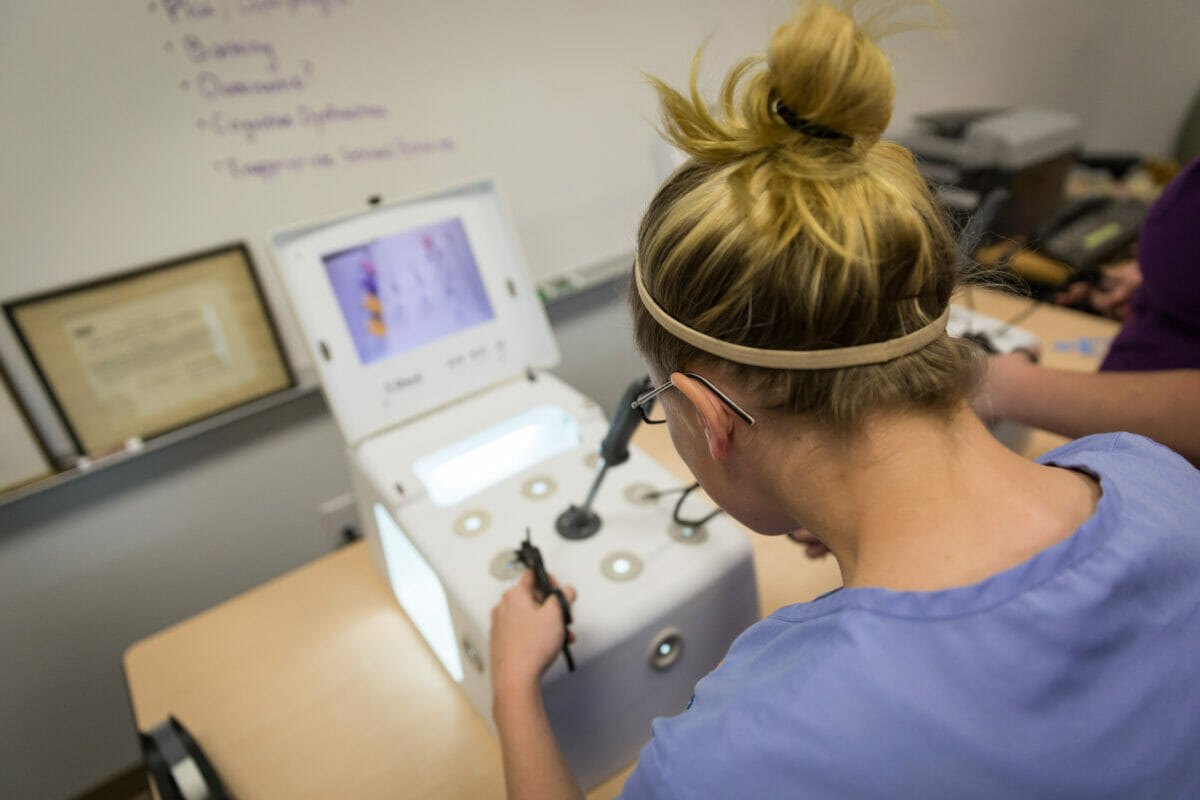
[316, 685]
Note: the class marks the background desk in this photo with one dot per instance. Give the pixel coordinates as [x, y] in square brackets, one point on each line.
[316, 685]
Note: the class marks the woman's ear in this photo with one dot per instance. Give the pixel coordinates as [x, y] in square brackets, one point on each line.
[714, 415]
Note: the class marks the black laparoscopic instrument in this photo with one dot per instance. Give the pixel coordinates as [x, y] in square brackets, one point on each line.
[580, 522]
[531, 557]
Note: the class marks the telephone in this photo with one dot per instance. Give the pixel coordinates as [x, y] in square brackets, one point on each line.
[1091, 232]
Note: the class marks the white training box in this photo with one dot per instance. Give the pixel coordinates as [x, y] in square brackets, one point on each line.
[994, 334]
[431, 344]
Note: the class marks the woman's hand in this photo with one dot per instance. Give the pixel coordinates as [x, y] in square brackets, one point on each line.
[1117, 287]
[1110, 296]
[527, 633]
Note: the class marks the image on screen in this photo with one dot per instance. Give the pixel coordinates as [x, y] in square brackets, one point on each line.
[408, 289]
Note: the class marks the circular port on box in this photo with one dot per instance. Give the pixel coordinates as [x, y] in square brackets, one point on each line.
[473, 522]
[539, 487]
[504, 565]
[621, 566]
[688, 534]
[666, 648]
[472, 655]
[641, 494]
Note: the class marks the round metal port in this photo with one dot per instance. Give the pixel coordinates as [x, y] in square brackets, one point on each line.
[688, 534]
[539, 487]
[472, 655]
[666, 648]
[621, 566]
[504, 565]
[641, 494]
[473, 522]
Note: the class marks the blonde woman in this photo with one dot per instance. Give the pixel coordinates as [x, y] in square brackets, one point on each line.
[1006, 628]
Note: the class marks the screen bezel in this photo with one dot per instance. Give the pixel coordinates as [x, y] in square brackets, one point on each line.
[366, 398]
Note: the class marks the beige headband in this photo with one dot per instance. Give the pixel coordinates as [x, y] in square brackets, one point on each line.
[856, 356]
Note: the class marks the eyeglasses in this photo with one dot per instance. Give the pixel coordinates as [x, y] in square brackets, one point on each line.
[644, 402]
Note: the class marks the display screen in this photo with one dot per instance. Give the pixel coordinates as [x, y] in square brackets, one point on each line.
[408, 289]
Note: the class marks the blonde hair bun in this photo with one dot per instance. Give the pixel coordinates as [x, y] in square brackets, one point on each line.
[832, 79]
[827, 71]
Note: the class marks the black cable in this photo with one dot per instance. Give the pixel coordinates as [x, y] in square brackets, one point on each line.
[686, 490]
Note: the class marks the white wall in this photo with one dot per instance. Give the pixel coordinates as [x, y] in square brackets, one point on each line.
[90, 567]
[1129, 70]
[1145, 73]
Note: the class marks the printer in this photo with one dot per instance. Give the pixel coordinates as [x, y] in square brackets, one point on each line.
[1024, 153]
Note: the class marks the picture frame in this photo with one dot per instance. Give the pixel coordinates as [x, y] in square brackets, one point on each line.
[23, 456]
[134, 356]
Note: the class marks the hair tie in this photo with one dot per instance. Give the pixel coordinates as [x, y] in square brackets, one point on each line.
[805, 126]
[855, 356]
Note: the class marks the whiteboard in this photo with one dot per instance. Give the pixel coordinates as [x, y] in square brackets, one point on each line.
[139, 130]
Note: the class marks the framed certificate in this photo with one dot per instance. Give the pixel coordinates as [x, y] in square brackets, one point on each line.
[23, 458]
[140, 354]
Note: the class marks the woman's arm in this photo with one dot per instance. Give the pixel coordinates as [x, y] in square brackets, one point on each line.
[526, 636]
[1163, 405]
[534, 767]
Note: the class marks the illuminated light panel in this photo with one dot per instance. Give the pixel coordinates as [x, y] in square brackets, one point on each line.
[485, 458]
[419, 591]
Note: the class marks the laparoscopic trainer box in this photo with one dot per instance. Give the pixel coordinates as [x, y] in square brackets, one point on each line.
[432, 347]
